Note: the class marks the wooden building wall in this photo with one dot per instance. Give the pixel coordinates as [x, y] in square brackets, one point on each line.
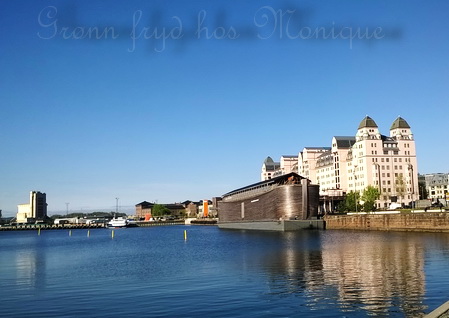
[284, 202]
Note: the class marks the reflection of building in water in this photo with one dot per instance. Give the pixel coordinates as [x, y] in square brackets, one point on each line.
[370, 271]
[296, 267]
[30, 268]
[375, 273]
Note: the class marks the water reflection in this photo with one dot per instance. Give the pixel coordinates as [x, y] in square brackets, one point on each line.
[30, 266]
[243, 273]
[377, 273]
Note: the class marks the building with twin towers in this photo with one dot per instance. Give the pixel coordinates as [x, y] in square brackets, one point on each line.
[353, 163]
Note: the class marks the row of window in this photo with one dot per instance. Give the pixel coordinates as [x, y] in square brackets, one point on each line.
[440, 187]
[388, 182]
[398, 190]
[389, 145]
[388, 160]
[396, 175]
[395, 152]
[385, 197]
[357, 185]
[388, 167]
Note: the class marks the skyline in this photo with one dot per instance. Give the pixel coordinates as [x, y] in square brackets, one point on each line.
[191, 111]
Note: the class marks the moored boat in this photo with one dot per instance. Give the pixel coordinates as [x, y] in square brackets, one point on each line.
[118, 222]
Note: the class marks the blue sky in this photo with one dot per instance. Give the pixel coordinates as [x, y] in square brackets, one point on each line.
[88, 117]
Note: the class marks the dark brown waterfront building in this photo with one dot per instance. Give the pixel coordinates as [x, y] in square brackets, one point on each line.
[281, 203]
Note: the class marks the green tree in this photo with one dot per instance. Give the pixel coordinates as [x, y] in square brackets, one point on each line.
[341, 207]
[369, 197]
[349, 204]
[422, 190]
[160, 210]
[400, 187]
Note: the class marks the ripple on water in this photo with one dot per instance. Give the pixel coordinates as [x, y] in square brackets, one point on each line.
[154, 272]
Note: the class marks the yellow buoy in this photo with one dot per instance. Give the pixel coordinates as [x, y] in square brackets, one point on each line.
[39, 231]
[185, 235]
[112, 234]
[88, 233]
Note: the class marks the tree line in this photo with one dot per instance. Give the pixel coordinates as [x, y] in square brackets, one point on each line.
[356, 202]
[87, 215]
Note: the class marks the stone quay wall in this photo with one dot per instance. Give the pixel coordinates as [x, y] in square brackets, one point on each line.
[421, 222]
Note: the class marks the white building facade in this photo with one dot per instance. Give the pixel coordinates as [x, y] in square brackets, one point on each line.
[269, 168]
[366, 159]
[386, 162]
[437, 185]
[35, 210]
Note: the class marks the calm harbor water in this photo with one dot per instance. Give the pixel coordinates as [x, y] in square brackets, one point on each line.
[153, 272]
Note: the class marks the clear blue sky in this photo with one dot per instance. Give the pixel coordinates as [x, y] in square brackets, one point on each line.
[87, 118]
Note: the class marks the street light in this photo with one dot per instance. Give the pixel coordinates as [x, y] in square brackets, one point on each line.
[355, 188]
[379, 180]
[116, 205]
[410, 168]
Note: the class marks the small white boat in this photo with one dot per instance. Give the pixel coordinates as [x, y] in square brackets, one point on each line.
[118, 222]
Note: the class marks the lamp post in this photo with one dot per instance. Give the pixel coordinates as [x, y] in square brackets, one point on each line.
[355, 188]
[116, 205]
[379, 179]
[410, 168]
[332, 200]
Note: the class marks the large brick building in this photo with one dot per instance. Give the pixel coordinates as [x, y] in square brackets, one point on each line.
[144, 209]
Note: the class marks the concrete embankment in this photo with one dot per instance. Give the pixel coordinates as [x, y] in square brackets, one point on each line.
[421, 222]
[440, 312]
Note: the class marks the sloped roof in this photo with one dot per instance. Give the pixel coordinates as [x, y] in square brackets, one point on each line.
[145, 204]
[344, 141]
[324, 154]
[325, 159]
[399, 123]
[318, 148]
[278, 180]
[387, 139]
[367, 122]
